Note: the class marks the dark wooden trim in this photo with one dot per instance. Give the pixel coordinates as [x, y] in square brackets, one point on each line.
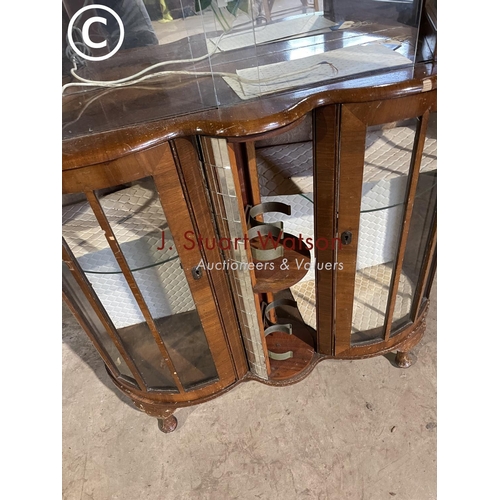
[352, 160]
[179, 221]
[326, 126]
[258, 116]
[191, 179]
[253, 174]
[426, 271]
[411, 190]
[268, 135]
[393, 110]
[432, 274]
[119, 171]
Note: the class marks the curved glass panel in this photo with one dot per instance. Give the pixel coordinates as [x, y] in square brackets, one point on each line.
[86, 311]
[138, 221]
[88, 244]
[421, 225]
[388, 153]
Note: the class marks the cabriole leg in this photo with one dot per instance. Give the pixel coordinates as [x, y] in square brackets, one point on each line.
[167, 424]
[404, 359]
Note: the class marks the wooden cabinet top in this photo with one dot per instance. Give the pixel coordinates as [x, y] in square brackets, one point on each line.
[105, 124]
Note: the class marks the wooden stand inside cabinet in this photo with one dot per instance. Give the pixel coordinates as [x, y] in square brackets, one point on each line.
[213, 249]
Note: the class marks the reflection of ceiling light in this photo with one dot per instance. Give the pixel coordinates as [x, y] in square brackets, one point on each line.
[306, 47]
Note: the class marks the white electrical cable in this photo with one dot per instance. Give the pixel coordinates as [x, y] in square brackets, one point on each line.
[133, 79]
[142, 72]
[196, 73]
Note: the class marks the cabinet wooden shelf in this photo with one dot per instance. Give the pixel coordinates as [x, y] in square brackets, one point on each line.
[285, 271]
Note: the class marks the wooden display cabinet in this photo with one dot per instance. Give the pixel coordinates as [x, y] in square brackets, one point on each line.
[207, 247]
[246, 321]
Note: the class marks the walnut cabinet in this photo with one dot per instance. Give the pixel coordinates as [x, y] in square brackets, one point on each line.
[250, 244]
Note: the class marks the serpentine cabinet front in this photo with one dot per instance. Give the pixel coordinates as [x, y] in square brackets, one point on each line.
[207, 260]
[349, 192]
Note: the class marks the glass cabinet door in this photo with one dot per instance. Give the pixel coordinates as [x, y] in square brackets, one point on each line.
[135, 279]
[386, 218]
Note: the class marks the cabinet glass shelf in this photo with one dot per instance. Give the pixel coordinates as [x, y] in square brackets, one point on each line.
[136, 217]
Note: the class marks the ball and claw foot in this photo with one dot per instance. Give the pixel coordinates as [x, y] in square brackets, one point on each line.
[404, 359]
[168, 424]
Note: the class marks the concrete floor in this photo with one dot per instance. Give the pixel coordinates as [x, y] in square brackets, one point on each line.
[360, 430]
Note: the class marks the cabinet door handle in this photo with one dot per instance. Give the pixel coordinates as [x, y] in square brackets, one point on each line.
[197, 272]
[346, 237]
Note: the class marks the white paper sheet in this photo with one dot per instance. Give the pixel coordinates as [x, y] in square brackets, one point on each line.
[316, 68]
